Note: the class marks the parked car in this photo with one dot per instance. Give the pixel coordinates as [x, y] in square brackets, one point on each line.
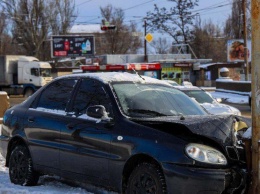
[206, 100]
[127, 133]
[186, 83]
[172, 82]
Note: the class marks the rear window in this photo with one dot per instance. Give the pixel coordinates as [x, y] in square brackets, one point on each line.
[199, 95]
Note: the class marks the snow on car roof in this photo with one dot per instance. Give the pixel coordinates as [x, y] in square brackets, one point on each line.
[107, 77]
[187, 87]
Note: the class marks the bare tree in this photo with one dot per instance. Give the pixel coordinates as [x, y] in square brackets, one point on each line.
[61, 14]
[209, 42]
[5, 38]
[122, 40]
[176, 22]
[35, 20]
[234, 23]
[161, 45]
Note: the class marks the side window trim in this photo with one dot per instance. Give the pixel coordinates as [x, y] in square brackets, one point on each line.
[35, 103]
[77, 89]
[73, 95]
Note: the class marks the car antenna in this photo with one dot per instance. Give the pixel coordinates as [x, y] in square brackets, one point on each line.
[137, 73]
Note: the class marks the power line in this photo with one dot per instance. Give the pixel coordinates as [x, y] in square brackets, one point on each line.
[211, 7]
[84, 2]
[98, 17]
[138, 5]
[199, 11]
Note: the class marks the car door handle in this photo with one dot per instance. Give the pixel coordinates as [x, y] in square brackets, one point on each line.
[31, 119]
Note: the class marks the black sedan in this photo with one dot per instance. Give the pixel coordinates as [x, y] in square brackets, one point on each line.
[127, 133]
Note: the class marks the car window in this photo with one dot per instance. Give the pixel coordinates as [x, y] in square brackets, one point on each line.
[56, 96]
[200, 96]
[154, 100]
[90, 93]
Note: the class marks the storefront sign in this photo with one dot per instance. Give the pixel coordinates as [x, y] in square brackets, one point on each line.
[182, 65]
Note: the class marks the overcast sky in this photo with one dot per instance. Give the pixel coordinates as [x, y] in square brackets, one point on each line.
[89, 10]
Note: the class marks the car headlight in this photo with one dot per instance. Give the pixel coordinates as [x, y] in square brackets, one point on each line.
[203, 153]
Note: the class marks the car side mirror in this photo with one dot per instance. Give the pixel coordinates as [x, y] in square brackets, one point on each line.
[97, 111]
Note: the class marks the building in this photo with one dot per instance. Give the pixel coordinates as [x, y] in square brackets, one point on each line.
[177, 67]
[210, 72]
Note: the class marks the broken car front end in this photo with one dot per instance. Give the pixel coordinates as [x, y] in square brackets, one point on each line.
[217, 150]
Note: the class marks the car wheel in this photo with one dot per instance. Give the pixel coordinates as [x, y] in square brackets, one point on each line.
[21, 168]
[146, 178]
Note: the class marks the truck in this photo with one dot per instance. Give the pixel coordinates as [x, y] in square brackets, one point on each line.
[23, 75]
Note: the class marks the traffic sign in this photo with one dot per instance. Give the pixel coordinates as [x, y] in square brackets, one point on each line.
[149, 37]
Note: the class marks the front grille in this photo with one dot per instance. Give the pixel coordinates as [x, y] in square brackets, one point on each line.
[232, 152]
[242, 154]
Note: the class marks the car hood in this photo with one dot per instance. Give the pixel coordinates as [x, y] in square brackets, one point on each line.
[217, 108]
[220, 128]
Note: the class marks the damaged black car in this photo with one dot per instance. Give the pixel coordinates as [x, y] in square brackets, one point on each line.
[126, 133]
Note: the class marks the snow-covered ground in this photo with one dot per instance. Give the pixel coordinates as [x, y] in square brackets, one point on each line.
[231, 97]
[46, 185]
[53, 185]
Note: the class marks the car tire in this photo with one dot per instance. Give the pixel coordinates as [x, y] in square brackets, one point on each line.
[21, 167]
[146, 178]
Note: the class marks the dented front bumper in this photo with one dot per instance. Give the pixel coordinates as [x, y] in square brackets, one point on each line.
[190, 180]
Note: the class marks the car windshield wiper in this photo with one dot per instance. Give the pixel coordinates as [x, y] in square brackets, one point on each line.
[147, 112]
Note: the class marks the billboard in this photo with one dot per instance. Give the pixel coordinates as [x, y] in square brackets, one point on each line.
[235, 50]
[72, 46]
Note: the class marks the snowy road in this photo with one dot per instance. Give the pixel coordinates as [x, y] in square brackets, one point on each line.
[46, 185]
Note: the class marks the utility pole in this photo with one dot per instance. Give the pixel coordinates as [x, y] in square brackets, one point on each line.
[145, 42]
[245, 40]
[255, 87]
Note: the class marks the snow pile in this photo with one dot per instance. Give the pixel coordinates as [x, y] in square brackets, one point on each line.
[231, 98]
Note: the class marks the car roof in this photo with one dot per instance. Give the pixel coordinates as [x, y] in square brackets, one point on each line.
[107, 77]
[187, 87]
[171, 82]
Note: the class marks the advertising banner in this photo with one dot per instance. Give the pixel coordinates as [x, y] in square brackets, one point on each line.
[235, 50]
[72, 46]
